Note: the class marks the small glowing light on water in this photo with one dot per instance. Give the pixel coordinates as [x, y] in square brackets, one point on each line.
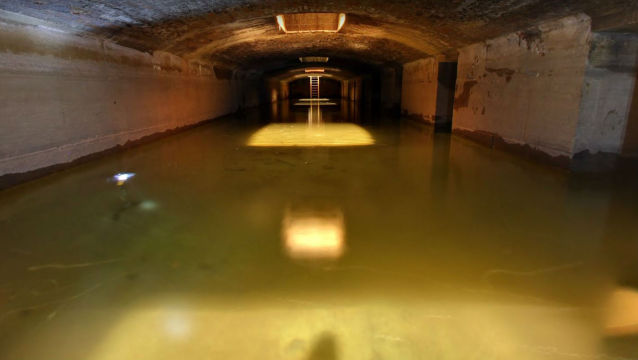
[148, 205]
[121, 178]
[309, 235]
[177, 325]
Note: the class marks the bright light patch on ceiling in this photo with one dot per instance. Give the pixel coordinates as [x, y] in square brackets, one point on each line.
[342, 21]
[314, 59]
[281, 23]
[311, 22]
[315, 70]
[302, 134]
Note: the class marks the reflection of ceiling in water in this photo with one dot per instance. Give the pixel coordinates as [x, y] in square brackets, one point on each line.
[302, 134]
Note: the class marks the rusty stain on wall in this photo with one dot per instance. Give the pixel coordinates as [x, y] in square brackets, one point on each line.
[502, 72]
[463, 98]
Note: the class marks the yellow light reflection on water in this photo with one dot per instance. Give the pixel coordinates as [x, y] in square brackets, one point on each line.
[290, 326]
[622, 312]
[301, 134]
[313, 235]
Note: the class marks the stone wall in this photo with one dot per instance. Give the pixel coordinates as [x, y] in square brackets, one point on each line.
[525, 88]
[63, 96]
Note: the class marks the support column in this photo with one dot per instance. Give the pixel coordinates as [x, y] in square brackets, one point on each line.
[630, 143]
[522, 91]
[608, 95]
[391, 88]
[428, 91]
[445, 90]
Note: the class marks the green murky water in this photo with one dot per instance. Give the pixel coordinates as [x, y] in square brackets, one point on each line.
[318, 239]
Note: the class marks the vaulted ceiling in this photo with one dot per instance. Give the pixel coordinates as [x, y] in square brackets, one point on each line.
[244, 33]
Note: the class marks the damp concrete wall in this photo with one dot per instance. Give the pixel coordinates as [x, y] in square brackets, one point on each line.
[63, 96]
[428, 90]
[419, 89]
[607, 93]
[525, 88]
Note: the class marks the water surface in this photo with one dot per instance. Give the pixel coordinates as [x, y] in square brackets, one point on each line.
[328, 235]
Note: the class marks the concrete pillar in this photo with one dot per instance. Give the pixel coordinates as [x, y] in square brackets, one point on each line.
[522, 91]
[351, 90]
[354, 89]
[555, 92]
[428, 88]
[445, 89]
[344, 89]
[418, 98]
[607, 94]
[630, 143]
[391, 88]
[283, 90]
[273, 90]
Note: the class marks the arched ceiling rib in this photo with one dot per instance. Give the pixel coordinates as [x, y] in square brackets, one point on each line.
[240, 32]
[299, 72]
[247, 40]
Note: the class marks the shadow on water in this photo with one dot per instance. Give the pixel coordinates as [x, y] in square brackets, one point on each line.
[324, 348]
[619, 243]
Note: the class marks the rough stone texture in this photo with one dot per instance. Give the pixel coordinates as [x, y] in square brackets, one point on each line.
[64, 97]
[420, 89]
[525, 87]
[607, 93]
[244, 32]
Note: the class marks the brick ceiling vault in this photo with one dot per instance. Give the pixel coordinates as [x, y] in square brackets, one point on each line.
[244, 33]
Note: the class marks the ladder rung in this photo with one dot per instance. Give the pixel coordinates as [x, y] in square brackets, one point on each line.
[314, 87]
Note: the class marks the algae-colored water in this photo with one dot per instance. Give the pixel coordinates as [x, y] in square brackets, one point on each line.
[331, 236]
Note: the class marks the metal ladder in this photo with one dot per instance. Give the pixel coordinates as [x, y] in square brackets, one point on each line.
[314, 87]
